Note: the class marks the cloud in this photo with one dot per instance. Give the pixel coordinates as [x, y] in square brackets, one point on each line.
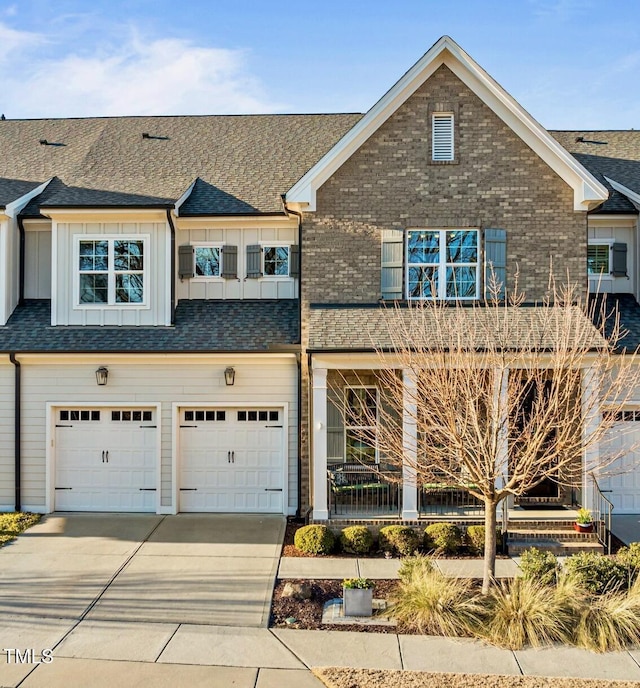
[560, 10]
[134, 77]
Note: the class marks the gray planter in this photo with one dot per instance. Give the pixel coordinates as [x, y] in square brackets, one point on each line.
[357, 601]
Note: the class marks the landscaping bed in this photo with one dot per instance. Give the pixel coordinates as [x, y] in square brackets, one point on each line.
[12, 524]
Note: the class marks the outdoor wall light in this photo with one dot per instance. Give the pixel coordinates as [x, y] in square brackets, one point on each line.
[102, 375]
[229, 376]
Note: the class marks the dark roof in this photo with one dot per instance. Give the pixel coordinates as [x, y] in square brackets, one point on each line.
[200, 327]
[627, 309]
[10, 189]
[614, 154]
[244, 163]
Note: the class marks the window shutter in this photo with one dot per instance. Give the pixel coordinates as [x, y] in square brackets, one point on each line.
[254, 261]
[391, 264]
[442, 136]
[185, 261]
[229, 262]
[294, 260]
[335, 430]
[619, 262]
[495, 259]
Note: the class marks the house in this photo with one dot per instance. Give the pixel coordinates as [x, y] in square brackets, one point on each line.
[178, 293]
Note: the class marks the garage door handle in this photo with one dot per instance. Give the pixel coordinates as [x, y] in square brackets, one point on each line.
[233, 457]
[147, 489]
[228, 457]
[64, 488]
[103, 456]
[273, 489]
[107, 457]
[188, 489]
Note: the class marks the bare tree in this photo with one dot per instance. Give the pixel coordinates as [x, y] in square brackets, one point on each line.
[495, 398]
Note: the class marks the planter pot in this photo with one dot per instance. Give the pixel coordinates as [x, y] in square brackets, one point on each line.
[357, 601]
[583, 527]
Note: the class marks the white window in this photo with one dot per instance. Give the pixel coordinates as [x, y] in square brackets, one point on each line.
[442, 136]
[207, 260]
[361, 420]
[275, 261]
[111, 271]
[599, 259]
[442, 264]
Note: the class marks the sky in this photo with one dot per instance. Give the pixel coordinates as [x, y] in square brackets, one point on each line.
[573, 64]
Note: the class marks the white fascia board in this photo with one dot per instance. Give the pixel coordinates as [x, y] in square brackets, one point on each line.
[588, 191]
[13, 208]
[633, 196]
[184, 197]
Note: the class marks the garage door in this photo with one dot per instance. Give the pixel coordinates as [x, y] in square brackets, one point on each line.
[232, 460]
[621, 479]
[105, 459]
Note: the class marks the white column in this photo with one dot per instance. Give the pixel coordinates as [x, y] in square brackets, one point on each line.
[319, 433]
[409, 446]
[590, 420]
[501, 387]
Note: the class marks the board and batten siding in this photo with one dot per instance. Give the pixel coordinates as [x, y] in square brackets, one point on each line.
[8, 262]
[155, 311]
[610, 233]
[183, 380]
[7, 483]
[240, 287]
[37, 273]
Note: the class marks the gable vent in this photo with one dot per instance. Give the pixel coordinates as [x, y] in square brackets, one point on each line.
[442, 136]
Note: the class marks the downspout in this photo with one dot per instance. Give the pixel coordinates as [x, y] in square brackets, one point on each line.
[21, 261]
[16, 431]
[172, 227]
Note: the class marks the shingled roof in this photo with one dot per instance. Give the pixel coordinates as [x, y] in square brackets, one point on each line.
[243, 163]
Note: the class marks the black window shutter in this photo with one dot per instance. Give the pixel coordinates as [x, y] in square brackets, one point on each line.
[294, 261]
[229, 262]
[619, 262]
[495, 260]
[185, 261]
[254, 261]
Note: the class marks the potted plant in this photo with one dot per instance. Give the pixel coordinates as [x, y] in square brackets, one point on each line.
[357, 596]
[584, 521]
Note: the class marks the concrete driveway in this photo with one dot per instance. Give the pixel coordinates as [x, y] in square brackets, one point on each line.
[187, 569]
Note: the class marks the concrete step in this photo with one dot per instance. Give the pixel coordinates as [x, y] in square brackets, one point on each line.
[558, 547]
[550, 534]
[558, 524]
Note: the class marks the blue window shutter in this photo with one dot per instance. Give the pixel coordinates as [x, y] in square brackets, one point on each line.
[619, 260]
[294, 260]
[391, 264]
[495, 259]
[185, 261]
[229, 262]
[254, 261]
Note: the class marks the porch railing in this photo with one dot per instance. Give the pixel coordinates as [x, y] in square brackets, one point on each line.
[440, 499]
[360, 491]
[602, 509]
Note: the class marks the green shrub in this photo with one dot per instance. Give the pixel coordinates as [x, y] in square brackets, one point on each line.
[540, 566]
[595, 572]
[629, 557]
[358, 584]
[356, 540]
[401, 540]
[314, 539]
[444, 538]
[417, 565]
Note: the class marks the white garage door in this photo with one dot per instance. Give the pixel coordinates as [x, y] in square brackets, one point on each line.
[621, 480]
[105, 459]
[232, 460]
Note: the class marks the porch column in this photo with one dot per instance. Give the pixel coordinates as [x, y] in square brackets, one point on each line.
[501, 386]
[319, 432]
[590, 420]
[409, 446]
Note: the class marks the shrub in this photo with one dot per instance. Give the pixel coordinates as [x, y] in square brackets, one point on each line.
[356, 540]
[444, 538]
[314, 539]
[401, 540]
[430, 603]
[358, 584]
[595, 572]
[411, 567]
[540, 566]
[629, 557]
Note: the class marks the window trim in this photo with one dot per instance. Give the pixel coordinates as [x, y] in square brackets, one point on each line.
[207, 244]
[450, 115]
[348, 427]
[275, 244]
[111, 273]
[601, 242]
[442, 264]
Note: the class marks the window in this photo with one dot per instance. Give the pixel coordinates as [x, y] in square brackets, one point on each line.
[442, 137]
[361, 419]
[208, 261]
[276, 261]
[78, 414]
[111, 271]
[442, 264]
[598, 259]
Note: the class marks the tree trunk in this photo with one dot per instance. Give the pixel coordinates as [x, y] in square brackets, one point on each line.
[489, 572]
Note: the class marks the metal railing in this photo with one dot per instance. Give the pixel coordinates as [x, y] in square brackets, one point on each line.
[360, 491]
[441, 499]
[601, 512]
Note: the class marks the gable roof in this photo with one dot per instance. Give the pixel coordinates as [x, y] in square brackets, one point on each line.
[588, 191]
[245, 163]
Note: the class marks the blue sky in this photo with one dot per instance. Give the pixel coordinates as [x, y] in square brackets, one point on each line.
[573, 64]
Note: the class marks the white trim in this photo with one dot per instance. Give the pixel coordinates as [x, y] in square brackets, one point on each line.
[208, 244]
[633, 196]
[171, 280]
[13, 208]
[409, 446]
[54, 273]
[588, 191]
[437, 142]
[50, 453]
[276, 244]
[318, 433]
[183, 198]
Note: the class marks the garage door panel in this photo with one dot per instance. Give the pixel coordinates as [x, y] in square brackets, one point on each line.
[621, 479]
